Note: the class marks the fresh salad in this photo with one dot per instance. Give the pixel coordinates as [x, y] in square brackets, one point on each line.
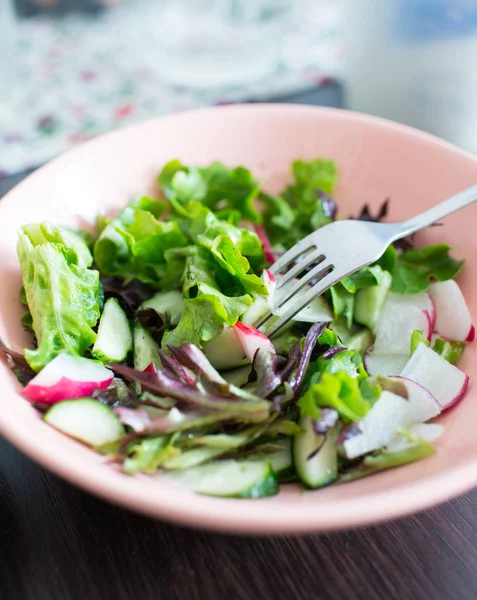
[145, 346]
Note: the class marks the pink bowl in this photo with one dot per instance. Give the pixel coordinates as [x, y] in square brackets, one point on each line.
[377, 159]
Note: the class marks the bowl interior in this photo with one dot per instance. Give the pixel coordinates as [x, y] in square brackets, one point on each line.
[377, 160]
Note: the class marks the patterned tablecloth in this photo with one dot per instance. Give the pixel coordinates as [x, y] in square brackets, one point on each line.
[71, 82]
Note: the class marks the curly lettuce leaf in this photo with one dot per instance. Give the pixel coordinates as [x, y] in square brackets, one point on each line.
[134, 244]
[206, 308]
[339, 391]
[222, 190]
[236, 253]
[71, 245]
[416, 268]
[308, 199]
[63, 297]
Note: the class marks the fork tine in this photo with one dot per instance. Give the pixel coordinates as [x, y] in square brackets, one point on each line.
[301, 283]
[291, 255]
[301, 265]
[300, 303]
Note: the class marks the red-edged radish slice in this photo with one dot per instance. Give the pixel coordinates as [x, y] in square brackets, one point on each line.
[385, 364]
[422, 405]
[453, 319]
[381, 424]
[67, 377]
[400, 316]
[427, 432]
[226, 350]
[445, 382]
[266, 245]
[252, 340]
[269, 280]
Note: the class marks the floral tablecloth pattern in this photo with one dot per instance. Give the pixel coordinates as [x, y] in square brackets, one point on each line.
[70, 82]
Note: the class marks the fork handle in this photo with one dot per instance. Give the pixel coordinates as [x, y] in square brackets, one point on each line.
[439, 211]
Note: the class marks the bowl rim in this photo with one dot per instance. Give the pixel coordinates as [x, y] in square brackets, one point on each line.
[236, 516]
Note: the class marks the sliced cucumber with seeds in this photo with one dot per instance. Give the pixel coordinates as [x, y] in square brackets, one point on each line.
[145, 349]
[86, 420]
[370, 301]
[315, 456]
[231, 479]
[114, 334]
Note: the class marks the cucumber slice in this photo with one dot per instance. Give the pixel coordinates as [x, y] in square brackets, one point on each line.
[369, 301]
[114, 334]
[360, 341]
[169, 304]
[86, 420]
[145, 349]
[280, 460]
[232, 479]
[315, 469]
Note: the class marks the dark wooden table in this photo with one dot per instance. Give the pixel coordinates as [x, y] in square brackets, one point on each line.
[57, 542]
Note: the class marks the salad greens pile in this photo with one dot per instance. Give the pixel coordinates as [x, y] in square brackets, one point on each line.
[164, 297]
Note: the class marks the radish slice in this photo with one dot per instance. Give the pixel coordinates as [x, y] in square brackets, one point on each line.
[422, 405]
[385, 364]
[444, 381]
[266, 245]
[379, 426]
[66, 377]
[453, 319]
[427, 432]
[226, 351]
[252, 340]
[401, 315]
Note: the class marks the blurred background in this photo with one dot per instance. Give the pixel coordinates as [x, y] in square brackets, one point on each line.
[72, 69]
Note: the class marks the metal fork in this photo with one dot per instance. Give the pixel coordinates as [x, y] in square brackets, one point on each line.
[340, 249]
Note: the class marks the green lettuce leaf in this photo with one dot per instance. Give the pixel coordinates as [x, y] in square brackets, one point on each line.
[71, 245]
[223, 190]
[299, 210]
[61, 292]
[206, 308]
[134, 244]
[339, 391]
[416, 268]
[342, 295]
[417, 337]
[342, 302]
